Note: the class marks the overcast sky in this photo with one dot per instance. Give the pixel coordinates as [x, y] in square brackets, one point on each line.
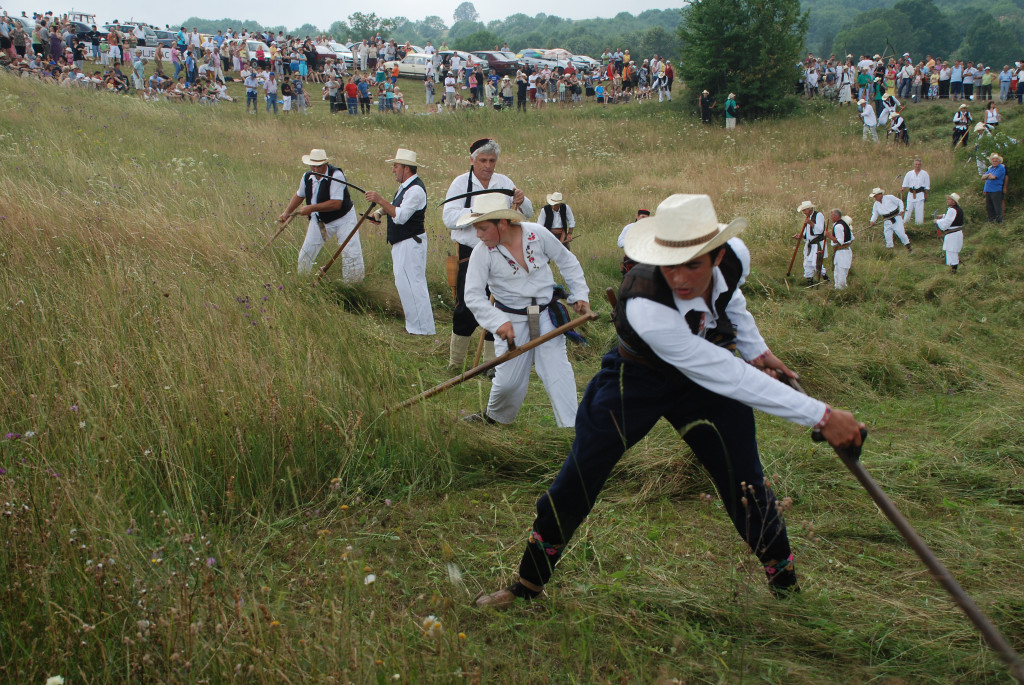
[321, 14]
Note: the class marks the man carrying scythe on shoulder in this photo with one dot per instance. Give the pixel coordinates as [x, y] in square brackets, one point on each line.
[681, 318]
[481, 177]
[331, 214]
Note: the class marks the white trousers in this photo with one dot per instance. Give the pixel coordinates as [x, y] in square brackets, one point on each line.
[841, 267]
[952, 243]
[915, 204]
[409, 261]
[873, 130]
[730, 122]
[894, 225]
[811, 259]
[511, 379]
[352, 269]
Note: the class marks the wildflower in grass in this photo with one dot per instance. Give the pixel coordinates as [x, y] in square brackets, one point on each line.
[3, 471]
[30, 434]
[14, 436]
[81, 424]
[462, 636]
[211, 562]
[74, 407]
[55, 680]
[370, 579]
[432, 626]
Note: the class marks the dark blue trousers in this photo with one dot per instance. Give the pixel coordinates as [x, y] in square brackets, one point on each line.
[620, 406]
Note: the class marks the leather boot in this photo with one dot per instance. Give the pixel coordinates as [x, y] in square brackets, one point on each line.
[457, 351]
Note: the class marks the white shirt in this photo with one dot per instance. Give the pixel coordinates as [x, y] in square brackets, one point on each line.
[886, 206]
[449, 84]
[816, 228]
[337, 193]
[915, 179]
[841, 238]
[415, 199]
[453, 211]
[715, 368]
[515, 286]
[868, 115]
[945, 222]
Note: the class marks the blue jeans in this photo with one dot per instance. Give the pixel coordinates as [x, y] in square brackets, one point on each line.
[272, 102]
[621, 405]
[353, 105]
[250, 97]
[177, 70]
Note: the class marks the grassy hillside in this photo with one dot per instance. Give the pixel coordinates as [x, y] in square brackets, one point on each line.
[199, 484]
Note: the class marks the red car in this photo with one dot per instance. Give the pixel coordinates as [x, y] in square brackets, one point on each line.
[501, 63]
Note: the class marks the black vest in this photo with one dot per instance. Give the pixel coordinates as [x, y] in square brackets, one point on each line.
[645, 280]
[323, 194]
[415, 225]
[958, 220]
[848, 234]
[548, 216]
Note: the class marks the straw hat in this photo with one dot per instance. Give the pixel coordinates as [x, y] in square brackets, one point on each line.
[956, 198]
[806, 204]
[995, 159]
[316, 157]
[876, 191]
[490, 207]
[980, 127]
[963, 106]
[862, 101]
[705, 92]
[683, 228]
[555, 199]
[403, 156]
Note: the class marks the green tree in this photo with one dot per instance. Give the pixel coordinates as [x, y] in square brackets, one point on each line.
[991, 42]
[307, 30]
[465, 12]
[366, 25]
[464, 29]
[340, 31]
[481, 40]
[750, 47]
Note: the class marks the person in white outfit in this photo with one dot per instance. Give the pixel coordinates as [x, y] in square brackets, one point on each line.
[331, 214]
[512, 259]
[890, 209]
[916, 184]
[842, 237]
[628, 263]
[867, 114]
[556, 216]
[951, 226]
[407, 236]
[813, 233]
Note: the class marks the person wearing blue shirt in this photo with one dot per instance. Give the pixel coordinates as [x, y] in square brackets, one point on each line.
[364, 95]
[995, 179]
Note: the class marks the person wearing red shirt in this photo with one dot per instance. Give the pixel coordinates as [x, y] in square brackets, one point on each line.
[352, 96]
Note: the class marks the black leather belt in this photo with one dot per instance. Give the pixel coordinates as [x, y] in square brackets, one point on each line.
[521, 312]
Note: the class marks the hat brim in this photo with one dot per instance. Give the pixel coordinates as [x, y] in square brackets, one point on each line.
[309, 161]
[469, 218]
[640, 244]
[406, 162]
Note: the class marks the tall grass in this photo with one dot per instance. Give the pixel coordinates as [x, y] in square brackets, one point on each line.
[204, 481]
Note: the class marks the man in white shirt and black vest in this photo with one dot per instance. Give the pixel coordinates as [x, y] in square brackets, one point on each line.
[815, 248]
[916, 185]
[841, 238]
[331, 215]
[951, 227]
[681, 319]
[483, 155]
[889, 209]
[556, 216]
[408, 239]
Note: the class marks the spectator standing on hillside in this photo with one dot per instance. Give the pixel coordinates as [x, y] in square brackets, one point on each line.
[961, 125]
[951, 226]
[890, 209]
[994, 179]
[406, 233]
[916, 184]
[252, 84]
[705, 107]
[331, 215]
[730, 111]
[680, 318]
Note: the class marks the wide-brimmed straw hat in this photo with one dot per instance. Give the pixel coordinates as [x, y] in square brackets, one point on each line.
[963, 106]
[862, 101]
[981, 126]
[490, 207]
[403, 156]
[316, 157]
[995, 159]
[956, 198]
[806, 204]
[876, 191]
[682, 228]
[555, 199]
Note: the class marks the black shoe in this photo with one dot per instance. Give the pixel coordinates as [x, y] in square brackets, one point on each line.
[810, 282]
[909, 248]
[479, 417]
[824, 278]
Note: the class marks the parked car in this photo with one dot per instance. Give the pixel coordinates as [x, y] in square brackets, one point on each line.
[342, 53]
[468, 60]
[538, 59]
[166, 39]
[585, 64]
[151, 39]
[81, 29]
[413, 65]
[499, 62]
[250, 48]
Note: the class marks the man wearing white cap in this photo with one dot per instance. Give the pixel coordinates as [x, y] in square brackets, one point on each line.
[556, 216]
[841, 238]
[331, 214]
[481, 176]
[867, 114]
[916, 184]
[951, 227]
[890, 209]
[813, 233]
[681, 319]
[961, 125]
[408, 239]
[512, 260]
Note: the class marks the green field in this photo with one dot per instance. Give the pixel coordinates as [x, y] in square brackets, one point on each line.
[204, 481]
